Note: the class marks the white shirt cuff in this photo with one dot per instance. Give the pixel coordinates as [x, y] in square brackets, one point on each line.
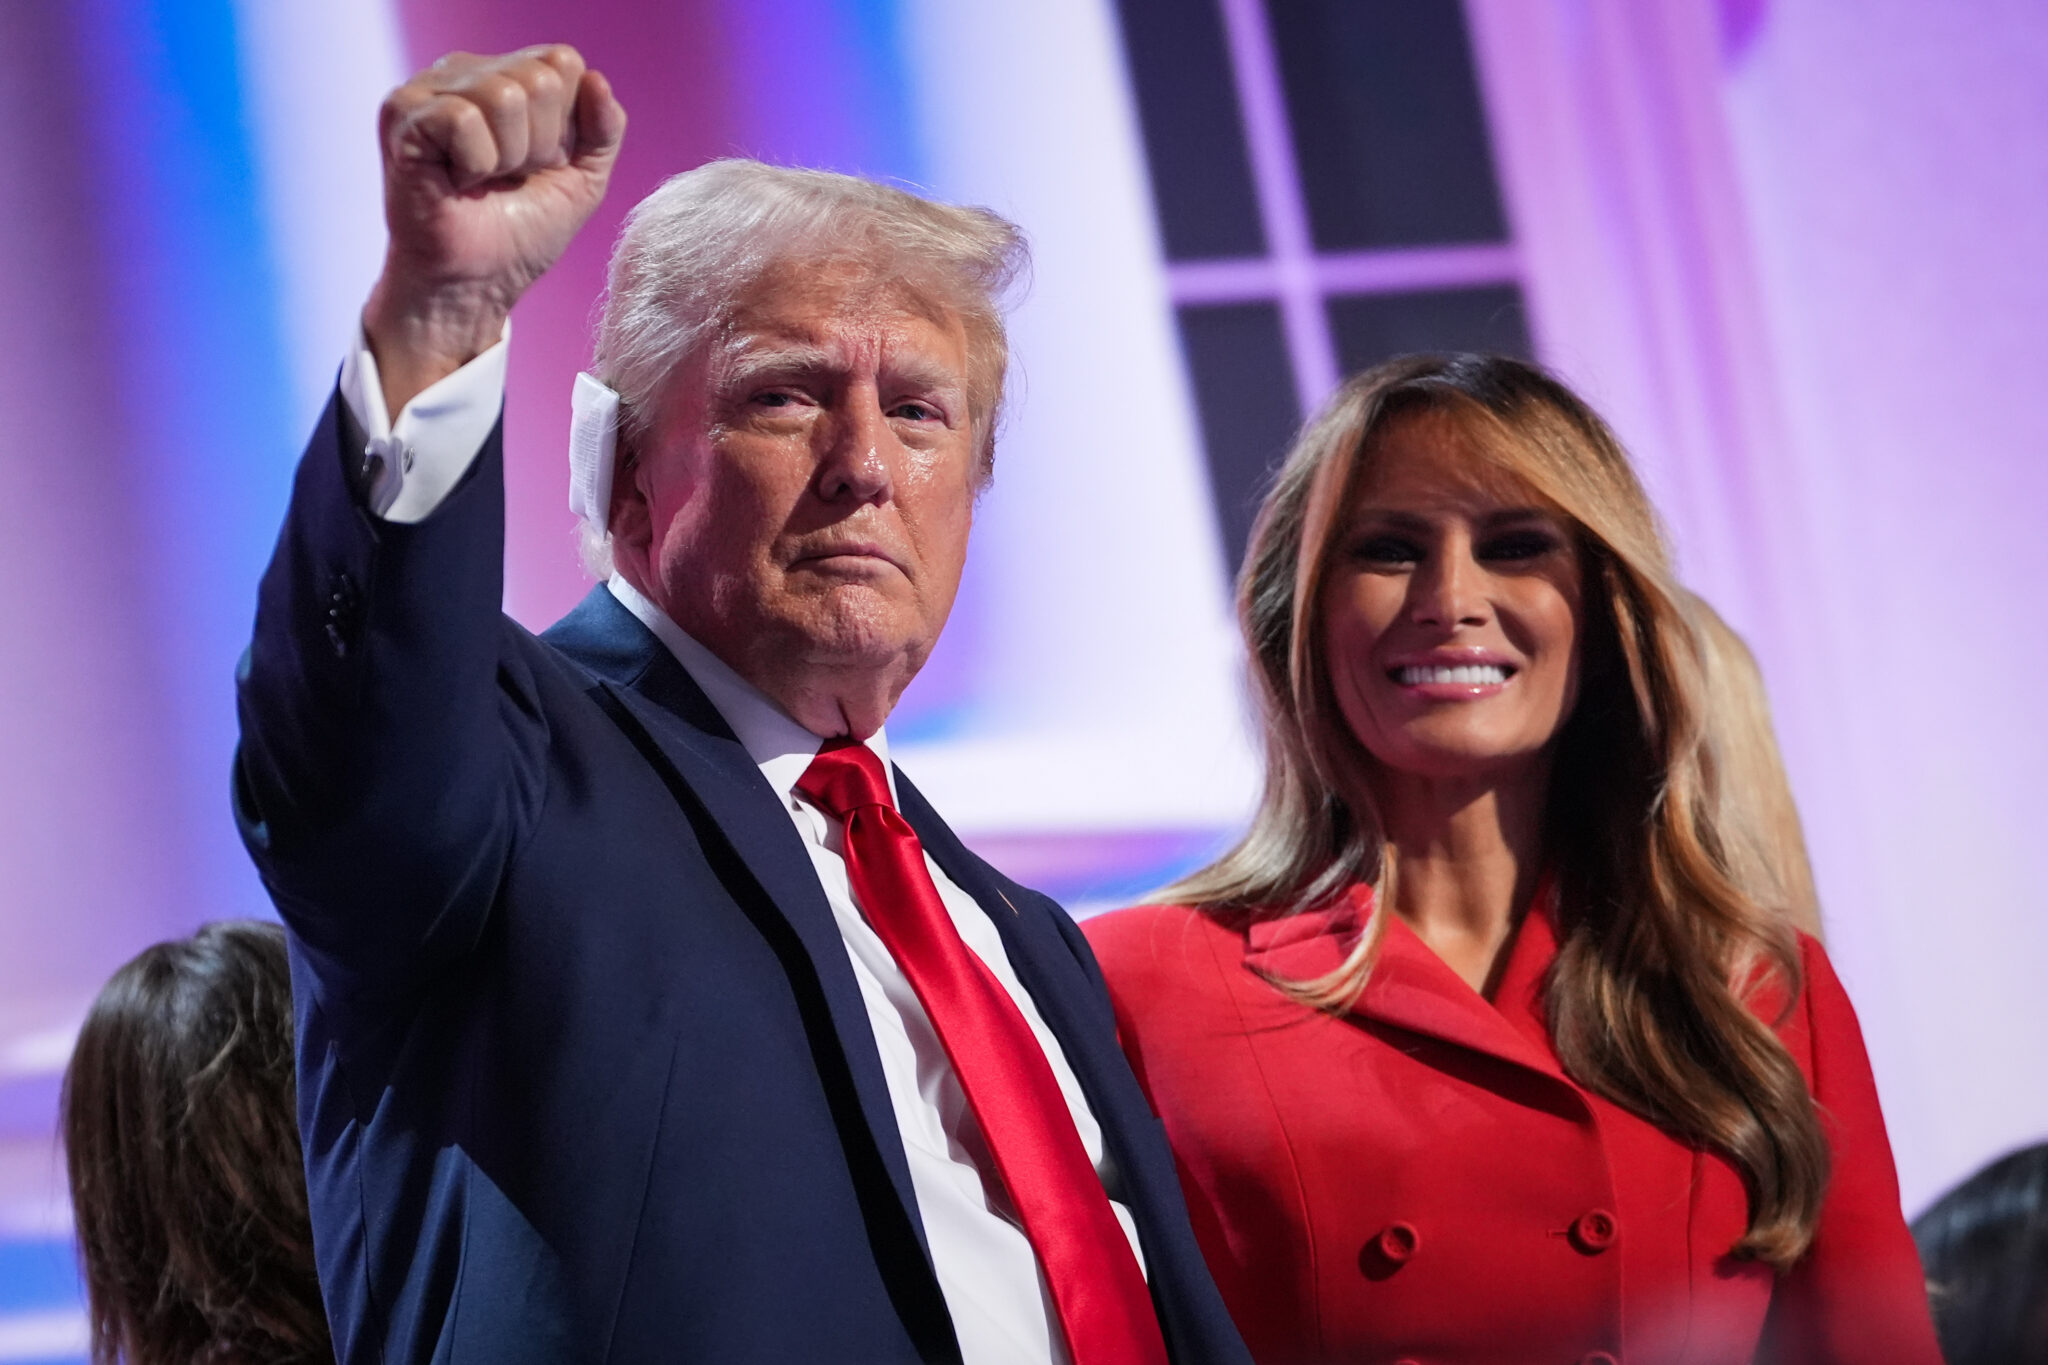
[409, 466]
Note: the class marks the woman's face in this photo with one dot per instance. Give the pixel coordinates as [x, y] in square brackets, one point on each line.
[1452, 610]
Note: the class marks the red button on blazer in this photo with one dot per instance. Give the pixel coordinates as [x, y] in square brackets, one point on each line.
[1593, 1232]
[1397, 1242]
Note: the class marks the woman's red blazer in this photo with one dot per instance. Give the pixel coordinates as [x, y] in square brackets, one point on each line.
[1417, 1180]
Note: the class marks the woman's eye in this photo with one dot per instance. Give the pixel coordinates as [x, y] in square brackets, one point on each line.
[1518, 545]
[1387, 550]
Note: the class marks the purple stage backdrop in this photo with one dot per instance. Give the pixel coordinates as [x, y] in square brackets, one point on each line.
[1793, 248]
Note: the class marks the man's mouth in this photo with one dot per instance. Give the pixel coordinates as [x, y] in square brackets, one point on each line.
[853, 550]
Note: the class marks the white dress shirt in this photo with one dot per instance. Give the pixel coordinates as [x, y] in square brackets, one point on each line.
[986, 1267]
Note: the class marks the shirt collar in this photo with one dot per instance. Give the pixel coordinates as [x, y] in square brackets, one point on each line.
[780, 747]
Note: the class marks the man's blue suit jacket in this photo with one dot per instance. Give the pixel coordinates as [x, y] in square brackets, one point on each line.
[584, 1070]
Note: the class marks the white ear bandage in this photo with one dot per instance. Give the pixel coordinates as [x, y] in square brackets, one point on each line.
[593, 449]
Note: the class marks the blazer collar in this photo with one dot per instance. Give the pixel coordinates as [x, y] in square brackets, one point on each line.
[666, 715]
[1412, 988]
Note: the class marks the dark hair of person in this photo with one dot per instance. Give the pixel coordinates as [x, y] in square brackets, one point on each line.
[1661, 948]
[1984, 1246]
[181, 1137]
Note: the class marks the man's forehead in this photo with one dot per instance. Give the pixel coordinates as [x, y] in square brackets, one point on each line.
[803, 323]
[807, 300]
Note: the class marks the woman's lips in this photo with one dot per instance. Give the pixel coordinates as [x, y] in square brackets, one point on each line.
[1451, 682]
[1412, 674]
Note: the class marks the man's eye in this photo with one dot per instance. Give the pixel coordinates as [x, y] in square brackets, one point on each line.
[1387, 550]
[915, 412]
[772, 400]
[1519, 545]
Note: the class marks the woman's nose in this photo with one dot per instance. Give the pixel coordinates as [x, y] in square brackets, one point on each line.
[1449, 590]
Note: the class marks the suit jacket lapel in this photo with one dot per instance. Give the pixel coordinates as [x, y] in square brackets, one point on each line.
[707, 766]
[1041, 958]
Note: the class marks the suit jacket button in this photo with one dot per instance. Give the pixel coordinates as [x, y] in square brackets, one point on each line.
[1594, 1231]
[1598, 1358]
[1407, 1360]
[1398, 1242]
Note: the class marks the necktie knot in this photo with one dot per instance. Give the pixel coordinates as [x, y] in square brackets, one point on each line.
[844, 776]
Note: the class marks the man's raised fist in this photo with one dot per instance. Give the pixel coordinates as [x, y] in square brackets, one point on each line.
[491, 165]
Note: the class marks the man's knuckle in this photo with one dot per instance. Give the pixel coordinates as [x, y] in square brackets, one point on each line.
[465, 118]
[503, 90]
[543, 80]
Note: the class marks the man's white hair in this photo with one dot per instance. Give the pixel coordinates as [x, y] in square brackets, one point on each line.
[692, 251]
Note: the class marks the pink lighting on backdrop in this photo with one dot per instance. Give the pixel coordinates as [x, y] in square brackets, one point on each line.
[1793, 249]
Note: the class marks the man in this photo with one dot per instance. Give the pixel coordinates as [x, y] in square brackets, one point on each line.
[644, 1012]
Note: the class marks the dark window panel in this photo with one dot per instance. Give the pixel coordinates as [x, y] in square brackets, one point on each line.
[1194, 139]
[1388, 127]
[1244, 395]
[1371, 327]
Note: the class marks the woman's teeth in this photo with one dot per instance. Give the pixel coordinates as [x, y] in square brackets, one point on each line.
[1477, 675]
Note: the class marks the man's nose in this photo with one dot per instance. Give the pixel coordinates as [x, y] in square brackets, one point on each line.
[855, 462]
[1449, 590]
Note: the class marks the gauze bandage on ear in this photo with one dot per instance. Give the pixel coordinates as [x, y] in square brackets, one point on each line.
[593, 448]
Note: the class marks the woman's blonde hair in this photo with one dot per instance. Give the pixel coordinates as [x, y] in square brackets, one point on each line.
[1659, 945]
[1746, 781]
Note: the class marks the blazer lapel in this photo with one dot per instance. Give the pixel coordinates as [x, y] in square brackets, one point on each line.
[1043, 962]
[1410, 986]
[653, 699]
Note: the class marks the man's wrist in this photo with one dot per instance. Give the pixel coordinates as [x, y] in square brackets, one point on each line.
[420, 336]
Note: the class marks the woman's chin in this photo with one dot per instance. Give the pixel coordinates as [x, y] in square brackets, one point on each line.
[1460, 757]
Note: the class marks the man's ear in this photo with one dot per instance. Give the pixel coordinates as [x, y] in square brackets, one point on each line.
[628, 522]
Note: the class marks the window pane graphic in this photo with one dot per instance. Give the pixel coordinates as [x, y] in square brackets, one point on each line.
[1388, 129]
[1194, 139]
[1244, 394]
[1371, 327]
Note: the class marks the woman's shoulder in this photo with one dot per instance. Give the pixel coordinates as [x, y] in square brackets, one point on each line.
[1136, 944]
[1833, 1032]
[1813, 1016]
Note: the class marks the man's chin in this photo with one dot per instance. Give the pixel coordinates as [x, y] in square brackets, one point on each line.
[850, 634]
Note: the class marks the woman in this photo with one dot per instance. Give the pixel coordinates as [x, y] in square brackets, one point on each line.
[183, 1146]
[1472, 1049]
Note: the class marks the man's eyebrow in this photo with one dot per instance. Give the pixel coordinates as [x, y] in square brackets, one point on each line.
[753, 363]
[922, 372]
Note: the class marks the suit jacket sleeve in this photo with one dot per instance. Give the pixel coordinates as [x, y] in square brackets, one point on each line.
[1858, 1294]
[390, 735]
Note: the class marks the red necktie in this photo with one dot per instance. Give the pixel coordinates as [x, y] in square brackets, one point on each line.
[1104, 1307]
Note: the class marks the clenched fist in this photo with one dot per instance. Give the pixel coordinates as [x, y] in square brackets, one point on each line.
[491, 164]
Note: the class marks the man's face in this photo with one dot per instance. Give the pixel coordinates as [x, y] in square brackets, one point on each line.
[811, 483]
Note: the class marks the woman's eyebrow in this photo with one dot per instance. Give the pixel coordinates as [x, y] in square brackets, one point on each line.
[1392, 519]
[1398, 519]
[1510, 515]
